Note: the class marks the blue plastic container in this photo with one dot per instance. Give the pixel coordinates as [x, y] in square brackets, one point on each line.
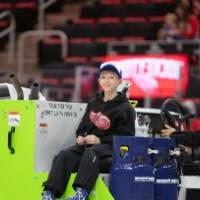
[132, 175]
[166, 179]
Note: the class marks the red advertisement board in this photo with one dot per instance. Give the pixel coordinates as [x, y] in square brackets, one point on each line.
[160, 76]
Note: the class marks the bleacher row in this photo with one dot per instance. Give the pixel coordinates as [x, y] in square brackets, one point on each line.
[98, 25]
[25, 12]
[88, 52]
[142, 9]
[105, 21]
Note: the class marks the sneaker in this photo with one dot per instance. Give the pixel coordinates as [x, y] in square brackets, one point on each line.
[48, 195]
[80, 194]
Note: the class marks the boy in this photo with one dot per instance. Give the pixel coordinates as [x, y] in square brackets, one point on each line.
[108, 114]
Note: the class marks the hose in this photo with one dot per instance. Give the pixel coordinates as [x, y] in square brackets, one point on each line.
[34, 94]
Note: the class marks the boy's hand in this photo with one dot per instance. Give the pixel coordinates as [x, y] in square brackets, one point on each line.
[92, 139]
[80, 140]
[168, 131]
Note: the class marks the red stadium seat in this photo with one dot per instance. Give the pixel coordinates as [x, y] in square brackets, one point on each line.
[111, 1]
[6, 5]
[112, 10]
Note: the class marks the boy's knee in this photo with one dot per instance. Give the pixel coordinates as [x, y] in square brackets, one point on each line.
[89, 150]
[64, 155]
[90, 154]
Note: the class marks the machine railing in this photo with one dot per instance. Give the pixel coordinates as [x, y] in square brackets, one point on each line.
[43, 5]
[38, 34]
[11, 31]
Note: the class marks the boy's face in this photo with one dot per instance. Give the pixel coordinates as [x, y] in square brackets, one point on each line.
[109, 81]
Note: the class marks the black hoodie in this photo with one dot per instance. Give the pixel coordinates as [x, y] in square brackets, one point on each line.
[108, 119]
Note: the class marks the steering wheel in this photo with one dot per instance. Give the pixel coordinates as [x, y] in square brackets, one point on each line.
[180, 116]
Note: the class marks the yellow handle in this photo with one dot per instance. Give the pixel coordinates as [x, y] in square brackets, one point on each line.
[124, 148]
[133, 103]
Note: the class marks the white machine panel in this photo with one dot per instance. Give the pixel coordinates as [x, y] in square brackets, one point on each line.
[56, 124]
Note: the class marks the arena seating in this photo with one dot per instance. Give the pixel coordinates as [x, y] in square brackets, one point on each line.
[113, 20]
[100, 23]
[106, 21]
[25, 12]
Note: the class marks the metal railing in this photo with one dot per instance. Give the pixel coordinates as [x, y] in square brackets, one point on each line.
[42, 6]
[154, 47]
[11, 31]
[39, 34]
